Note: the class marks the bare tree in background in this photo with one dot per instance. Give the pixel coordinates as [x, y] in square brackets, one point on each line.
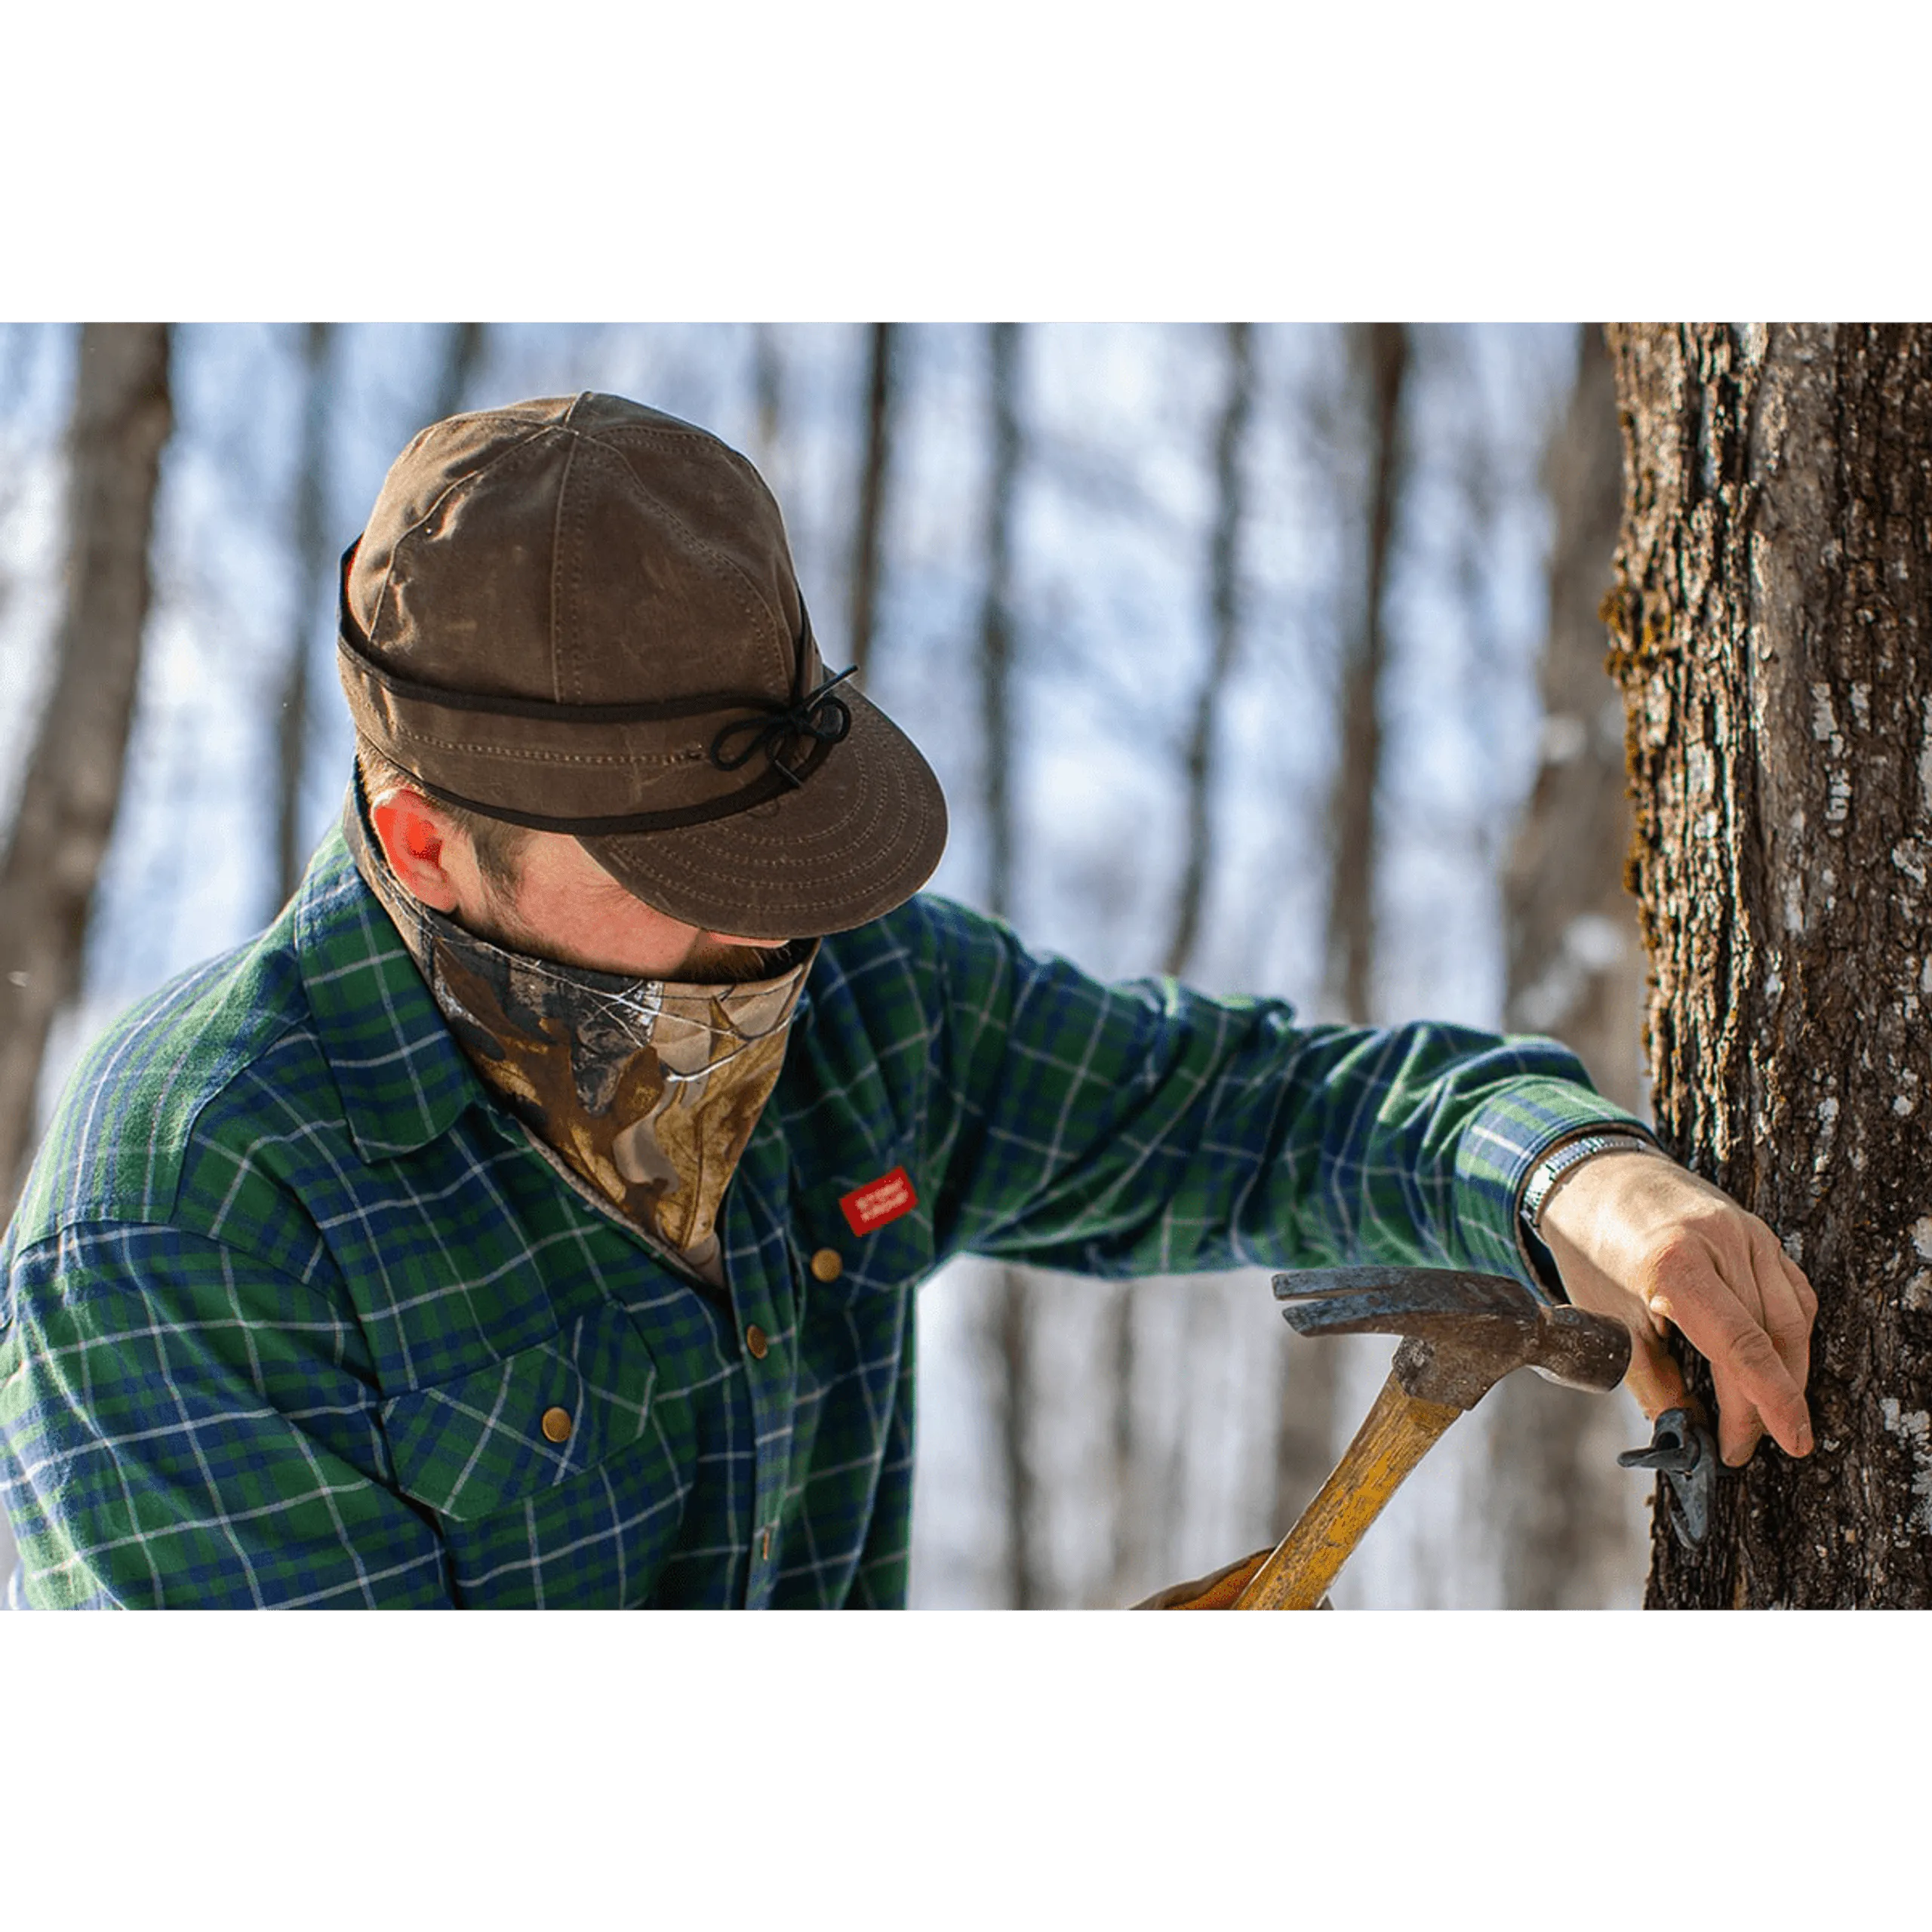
[315, 577]
[1382, 348]
[768, 405]
[462, 357]
[882, 351]
[1223, 600]
[1567, 1519]
[1145, 1513]
[1012, 1292]
[1378, 354]
[121, 417]
[1576, 966]
[996, 617]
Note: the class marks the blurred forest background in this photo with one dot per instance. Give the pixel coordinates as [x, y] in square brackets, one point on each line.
[1264, 655]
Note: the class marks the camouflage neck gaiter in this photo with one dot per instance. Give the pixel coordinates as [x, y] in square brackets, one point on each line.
[648, 1089]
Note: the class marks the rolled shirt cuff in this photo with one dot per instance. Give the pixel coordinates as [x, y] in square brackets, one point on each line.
[1501, 1148]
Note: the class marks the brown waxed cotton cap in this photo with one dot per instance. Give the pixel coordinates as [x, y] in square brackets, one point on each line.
[580, 614]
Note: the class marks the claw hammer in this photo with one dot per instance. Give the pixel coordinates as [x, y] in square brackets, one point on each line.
[1462, 1334]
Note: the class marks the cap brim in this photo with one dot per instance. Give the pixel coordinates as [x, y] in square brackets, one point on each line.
[860, 836]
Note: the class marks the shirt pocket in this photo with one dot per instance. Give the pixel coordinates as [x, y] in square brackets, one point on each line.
[526, 1423]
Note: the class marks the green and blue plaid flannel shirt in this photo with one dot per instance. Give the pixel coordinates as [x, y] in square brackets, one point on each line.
[288, 1296]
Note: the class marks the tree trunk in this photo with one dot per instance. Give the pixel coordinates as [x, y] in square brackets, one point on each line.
[315, 574]
[768, 406]
[1566, 1516]
[881, 352]
[996, 618]
[1384, 349]
[1576, 966]
[1772, 614]
[121, 420]
[1011, 1317]
[1311, 1372]
[1224, 613]
[462, 357]
[1146, 1513]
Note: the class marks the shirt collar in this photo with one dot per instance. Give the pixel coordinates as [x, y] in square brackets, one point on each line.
[402, 1079]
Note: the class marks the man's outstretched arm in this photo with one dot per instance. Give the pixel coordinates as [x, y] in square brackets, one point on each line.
[1645, 1240]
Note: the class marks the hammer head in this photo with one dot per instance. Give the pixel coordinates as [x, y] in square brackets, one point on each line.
[1466, 1332]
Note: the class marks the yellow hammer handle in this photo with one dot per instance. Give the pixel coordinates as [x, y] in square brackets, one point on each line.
[1397, 1433]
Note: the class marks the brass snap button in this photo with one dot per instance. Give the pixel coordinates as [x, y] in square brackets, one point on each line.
[826, 1265]
[556, 1425]
[757, 1342]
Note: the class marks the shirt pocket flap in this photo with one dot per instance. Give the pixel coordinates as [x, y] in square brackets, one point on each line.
[484, 1441]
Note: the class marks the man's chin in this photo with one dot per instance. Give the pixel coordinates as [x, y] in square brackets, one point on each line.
[707, 964]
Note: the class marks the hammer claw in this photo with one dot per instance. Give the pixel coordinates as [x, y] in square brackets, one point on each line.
[1337, 1301]
[1477, 1328]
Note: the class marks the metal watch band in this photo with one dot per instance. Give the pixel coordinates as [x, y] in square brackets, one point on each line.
[1573, 1153]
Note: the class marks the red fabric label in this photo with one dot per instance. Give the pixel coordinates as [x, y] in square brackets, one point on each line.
[879, 1202]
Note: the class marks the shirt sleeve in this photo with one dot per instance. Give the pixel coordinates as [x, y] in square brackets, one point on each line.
[180, 1426]
[1145, 1128]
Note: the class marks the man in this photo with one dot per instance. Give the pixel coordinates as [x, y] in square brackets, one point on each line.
[532, 1215]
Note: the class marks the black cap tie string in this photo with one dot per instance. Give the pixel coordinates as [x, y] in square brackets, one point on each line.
[820, 716]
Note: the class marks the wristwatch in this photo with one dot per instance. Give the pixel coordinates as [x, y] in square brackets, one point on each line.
[1553, 1167]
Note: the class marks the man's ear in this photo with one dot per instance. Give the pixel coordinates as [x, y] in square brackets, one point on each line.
[415, 837]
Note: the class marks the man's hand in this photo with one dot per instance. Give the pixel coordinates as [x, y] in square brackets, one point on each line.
[1642, 1239]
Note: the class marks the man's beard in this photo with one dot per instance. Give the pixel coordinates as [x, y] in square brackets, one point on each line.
[707, 962]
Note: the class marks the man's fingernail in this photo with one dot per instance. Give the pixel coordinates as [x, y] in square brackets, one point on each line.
[1804, 1438]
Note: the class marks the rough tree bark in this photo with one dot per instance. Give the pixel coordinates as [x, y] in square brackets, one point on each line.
[1569, 1534]
[1772, 613]
[121, 420]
